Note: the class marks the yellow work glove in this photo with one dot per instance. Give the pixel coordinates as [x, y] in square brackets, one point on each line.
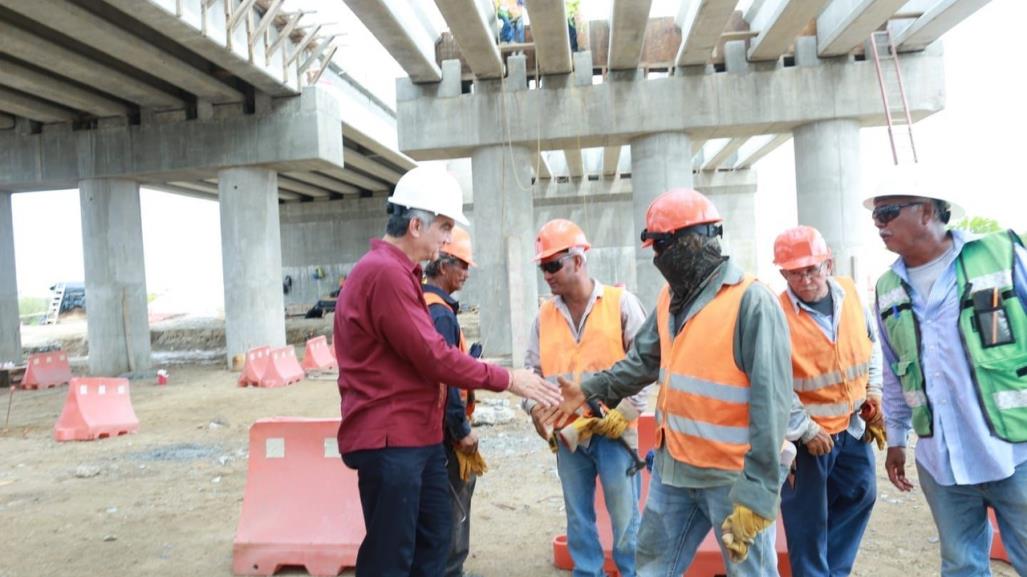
[471, 464]
[739, 530]
[876, 434]
[612, 425]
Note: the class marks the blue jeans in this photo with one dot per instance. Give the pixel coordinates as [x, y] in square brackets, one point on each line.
[675, 522]
[827, 509]
[405, 497]
[960, 513]
[608, 460]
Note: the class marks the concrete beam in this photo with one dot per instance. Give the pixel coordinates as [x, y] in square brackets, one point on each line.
[174, 188]
[719, 106]
[846, 24]
[302, 188]
[7, 121]
[701, 22]
[935, 22]
[323, 181]
[628, 20]
[354, 159]
[10, 323]
[748, 158]
[201, 186]
[298, 134]
[611, 159]
[575, 163]
[356, 179]
[355, 135]
[59, 60]
[541, 166]
[471, 30]
[54, 89]
[778, 23]
[96, 32]
[552, 39]
[407, 42]
[23, 105]
[725, 153]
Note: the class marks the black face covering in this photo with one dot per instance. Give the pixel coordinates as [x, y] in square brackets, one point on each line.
[687, 265]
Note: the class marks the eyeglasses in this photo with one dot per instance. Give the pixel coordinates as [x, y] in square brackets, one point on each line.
[889, 212]
[663, 240]
[554, 266]
[802, 274]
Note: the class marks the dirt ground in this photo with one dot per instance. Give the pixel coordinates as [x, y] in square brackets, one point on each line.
[166, 501]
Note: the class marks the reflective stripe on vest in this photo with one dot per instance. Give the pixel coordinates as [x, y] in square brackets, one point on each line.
[466, 397]
[830, 378]
[703, 407]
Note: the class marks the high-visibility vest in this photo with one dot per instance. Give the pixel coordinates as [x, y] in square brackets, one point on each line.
[830, 377]
[999, 371]
[702, 412]
[467, 397]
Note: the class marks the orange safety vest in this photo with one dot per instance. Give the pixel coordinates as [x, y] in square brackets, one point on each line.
[830, 378]
[702, 411]
[467, 397]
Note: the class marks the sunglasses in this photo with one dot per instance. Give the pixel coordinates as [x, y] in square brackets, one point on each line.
[886, 213]
[554, 266]
[663, 240]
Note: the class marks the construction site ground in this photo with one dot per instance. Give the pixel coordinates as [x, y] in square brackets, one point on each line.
[166, 501]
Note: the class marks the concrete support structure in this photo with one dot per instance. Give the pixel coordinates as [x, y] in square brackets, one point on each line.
[658, 162]
[251, 251]
[10, 326]
[828, 188]
[112, 241]
[504, 243]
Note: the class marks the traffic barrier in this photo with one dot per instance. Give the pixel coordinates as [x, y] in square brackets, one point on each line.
[96, 408]
[318, 356]
[283, 368]
[301, 506]
[708, 561]
[257, 360]
[46, 370]
[998, 550]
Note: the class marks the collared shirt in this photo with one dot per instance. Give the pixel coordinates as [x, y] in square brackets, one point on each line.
[962, 450]
[800, 426]
[392, 360]
[445, 320]
[763, 352]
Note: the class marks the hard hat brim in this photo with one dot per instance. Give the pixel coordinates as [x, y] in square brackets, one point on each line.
[956, 210]
[801, 262]
[458, 217]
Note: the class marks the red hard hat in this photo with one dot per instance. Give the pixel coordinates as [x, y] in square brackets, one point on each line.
[679, 208]
[557, 236]
[459, 245]
[800, 247]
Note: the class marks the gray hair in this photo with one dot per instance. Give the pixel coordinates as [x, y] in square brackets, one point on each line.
[578, 251]
[400, 217]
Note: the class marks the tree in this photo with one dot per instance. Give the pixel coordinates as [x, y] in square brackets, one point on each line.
[978, 224]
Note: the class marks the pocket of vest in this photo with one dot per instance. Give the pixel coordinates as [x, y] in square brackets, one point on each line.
[990, 320]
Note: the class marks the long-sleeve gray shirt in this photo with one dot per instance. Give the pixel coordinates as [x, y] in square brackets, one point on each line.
[762, 350]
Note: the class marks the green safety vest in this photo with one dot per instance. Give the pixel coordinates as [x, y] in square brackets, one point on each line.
[999, 371]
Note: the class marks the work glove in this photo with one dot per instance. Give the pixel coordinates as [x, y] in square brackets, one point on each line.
[471, 464]
[875, 432]
[614, 424]
[739, 531]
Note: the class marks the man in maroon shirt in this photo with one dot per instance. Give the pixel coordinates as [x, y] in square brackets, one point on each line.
[392, 364]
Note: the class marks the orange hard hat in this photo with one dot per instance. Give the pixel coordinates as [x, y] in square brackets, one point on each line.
[676, 209]
[800, 247]
[557, 236]
[459, 245]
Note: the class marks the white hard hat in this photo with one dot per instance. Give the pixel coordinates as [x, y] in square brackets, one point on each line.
[433, 189]
[916, 180]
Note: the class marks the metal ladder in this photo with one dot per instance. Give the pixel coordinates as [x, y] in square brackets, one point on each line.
[881, 41]
[56, 299]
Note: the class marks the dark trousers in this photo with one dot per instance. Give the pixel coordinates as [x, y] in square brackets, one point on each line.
[405, 496]
[827, 510]
[460, 499]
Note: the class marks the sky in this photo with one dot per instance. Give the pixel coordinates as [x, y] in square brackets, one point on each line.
[978, 138]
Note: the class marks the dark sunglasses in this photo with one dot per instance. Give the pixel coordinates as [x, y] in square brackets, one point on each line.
[889, 212]
[662, 240]
[554, 266]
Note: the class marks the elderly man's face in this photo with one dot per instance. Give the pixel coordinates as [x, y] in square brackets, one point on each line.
[901, 221]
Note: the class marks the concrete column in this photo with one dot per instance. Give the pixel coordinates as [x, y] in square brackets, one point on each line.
[251, 251]
[112, 244]
[658, 162]
[828, 188]
[734, 195]
[10, 325]
[504, 244]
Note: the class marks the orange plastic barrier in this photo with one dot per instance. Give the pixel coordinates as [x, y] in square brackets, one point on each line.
[283, 368]
[96, 408]
[998, 550]
[708, 561]
[301, 506]
[46, 370]
[257, 360]
[319, 356]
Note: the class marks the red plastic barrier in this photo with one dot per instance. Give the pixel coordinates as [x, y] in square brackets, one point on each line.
[708, 561]
[46, 370]
[998, 550]
[283, 368]
[319, 356]
[301, 506]
[96, 408]
[257, 360]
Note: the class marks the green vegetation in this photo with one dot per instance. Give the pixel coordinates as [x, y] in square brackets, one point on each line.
[31, 305]
[978, 224]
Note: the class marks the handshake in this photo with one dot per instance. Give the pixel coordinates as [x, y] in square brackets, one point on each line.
[558, 403]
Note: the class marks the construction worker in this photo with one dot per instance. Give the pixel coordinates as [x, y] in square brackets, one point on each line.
[836, 367]
[584, 328]
[392, 363]
[718, 345]
[953, 325]
[445, 276]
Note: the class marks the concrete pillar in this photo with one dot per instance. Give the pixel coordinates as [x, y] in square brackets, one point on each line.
[734, 195]
[10, 326]
[112, 244]
[658, 162]
[504, 244]
[251, 251]
[828, 188]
